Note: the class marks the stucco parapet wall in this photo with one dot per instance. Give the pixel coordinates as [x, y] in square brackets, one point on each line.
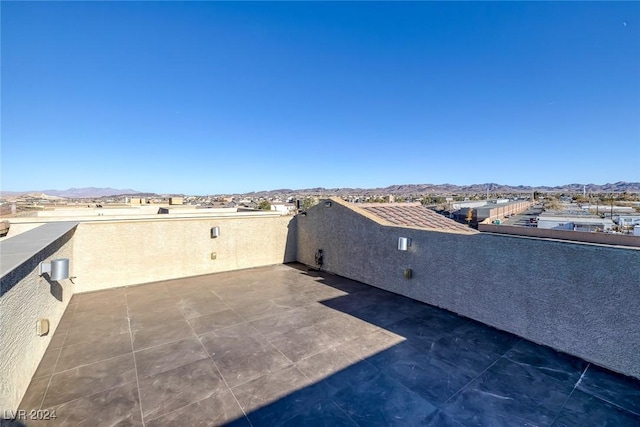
[144, 217]
[17, 250]
[381, 221]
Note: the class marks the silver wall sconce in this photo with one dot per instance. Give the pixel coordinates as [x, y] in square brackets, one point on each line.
[58, 269]
[327, 204]
[215, 232]
[404, 243]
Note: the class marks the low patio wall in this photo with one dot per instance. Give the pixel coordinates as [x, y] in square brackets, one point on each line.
[110, 254]
[25, 297]
[581, 299]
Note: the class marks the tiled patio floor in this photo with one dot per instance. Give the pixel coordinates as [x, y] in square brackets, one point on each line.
[283, 346]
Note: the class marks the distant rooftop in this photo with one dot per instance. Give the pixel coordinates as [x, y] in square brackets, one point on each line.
[414, 215]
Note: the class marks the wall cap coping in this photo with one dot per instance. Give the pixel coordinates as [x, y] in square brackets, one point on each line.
[16, 250]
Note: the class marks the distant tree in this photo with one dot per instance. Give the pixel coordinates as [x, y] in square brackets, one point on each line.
[469, 217]
[308, 202]
[264, 205]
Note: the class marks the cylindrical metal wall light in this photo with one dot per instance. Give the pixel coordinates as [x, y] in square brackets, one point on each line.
[404, 243]
[215, 232]
[58, 269]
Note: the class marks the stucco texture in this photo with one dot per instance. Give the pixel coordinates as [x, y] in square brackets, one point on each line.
[581, 299]
[25, 297]
[110, 254]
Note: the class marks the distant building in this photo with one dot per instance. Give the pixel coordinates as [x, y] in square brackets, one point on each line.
[176, 200]
[468, 204]
[284, 208]
[574, 223]
[490, 211]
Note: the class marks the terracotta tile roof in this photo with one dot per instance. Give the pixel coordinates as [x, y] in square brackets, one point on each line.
[414, 215]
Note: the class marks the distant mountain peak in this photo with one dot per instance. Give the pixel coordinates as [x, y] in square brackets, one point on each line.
[79, 193]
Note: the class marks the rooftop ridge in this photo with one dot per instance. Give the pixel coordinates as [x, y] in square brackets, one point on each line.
[409, 215]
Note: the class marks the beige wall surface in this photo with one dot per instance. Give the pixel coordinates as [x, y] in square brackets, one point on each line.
[25, 297]
[579, 298]
[120, 253]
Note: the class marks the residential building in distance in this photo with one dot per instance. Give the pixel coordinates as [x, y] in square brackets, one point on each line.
[589, 223]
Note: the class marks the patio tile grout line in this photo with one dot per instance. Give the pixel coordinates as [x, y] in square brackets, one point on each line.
[600, 398]
[569, 396]
[53, 371]
[219, 373]
[463, 388]
[135, 364]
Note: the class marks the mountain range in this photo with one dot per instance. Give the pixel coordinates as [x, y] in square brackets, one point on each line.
[73, 193]
[404, 189]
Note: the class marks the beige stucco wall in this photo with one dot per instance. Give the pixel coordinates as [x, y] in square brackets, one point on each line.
[110, 254]
[25, 297]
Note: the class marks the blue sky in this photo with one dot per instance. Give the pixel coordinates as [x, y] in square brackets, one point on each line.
[208, 98]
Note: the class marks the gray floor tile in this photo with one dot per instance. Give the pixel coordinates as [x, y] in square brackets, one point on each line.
[510, 394]
[258, 309]
[214, 321]
[346, 327]
[58, 338]
[303, 342]
[371, 344]
[103, 302]
[165, 357]
[99, 315]
[352, 302]
[146, 290]
[89, 379]
[161, 334]
[118, 406]
[327, 363]
[96, 330]
[186, 286]
[109, 347]
[198, 308]
[583, 409]
[357, 373]
[35, 393]
[361, 355]
[278, 324]
[470, 348]
[548, 361]
[162, 316]
[242, 354]
[431, 378]
[48, 362]
[382, 314]
[179, 387]
[155, 302]
[269, 388]
[611, 387]
[221, 409]
[323, 414]
[381, 401]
